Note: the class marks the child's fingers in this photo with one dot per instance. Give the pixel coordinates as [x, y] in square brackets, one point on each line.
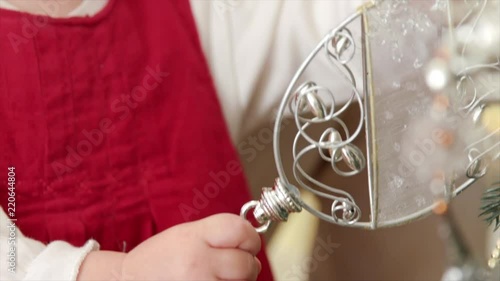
[234, 264]
[230, 231]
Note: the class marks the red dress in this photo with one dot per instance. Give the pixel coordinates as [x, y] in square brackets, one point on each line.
[113, 125]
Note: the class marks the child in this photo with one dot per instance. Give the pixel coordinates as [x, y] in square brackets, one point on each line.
[112, 126]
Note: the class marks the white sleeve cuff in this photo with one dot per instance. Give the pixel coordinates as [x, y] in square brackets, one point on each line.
[59, 261]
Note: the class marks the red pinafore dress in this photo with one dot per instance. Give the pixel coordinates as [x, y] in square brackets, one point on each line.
[113, 125]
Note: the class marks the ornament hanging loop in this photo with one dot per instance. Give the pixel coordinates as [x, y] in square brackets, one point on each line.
[274, 205]
[253, 205]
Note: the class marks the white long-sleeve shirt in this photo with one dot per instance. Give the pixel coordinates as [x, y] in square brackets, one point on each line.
[253, 49]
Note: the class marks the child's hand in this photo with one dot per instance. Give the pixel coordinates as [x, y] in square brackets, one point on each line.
[218, 247]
